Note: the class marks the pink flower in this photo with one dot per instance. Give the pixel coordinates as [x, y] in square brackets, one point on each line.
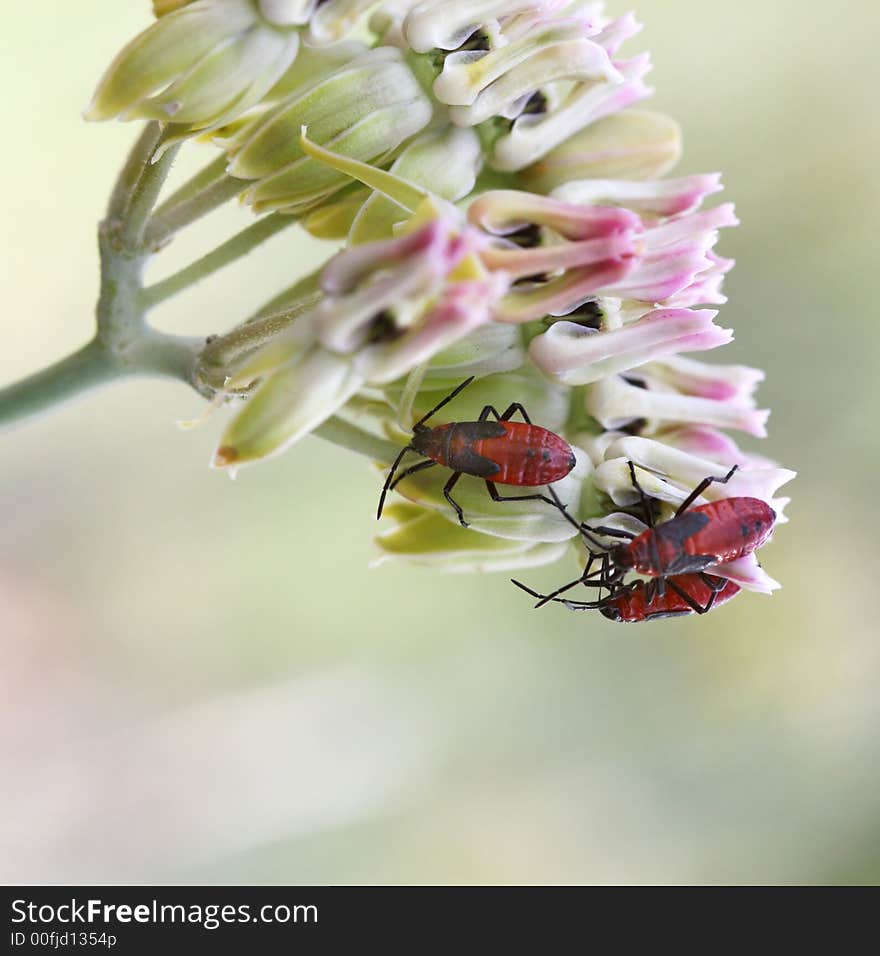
[616, 402]
[675, 256]
[663, 260]
[669, 474]
[532, 136]
[574, 355]
[660, 197]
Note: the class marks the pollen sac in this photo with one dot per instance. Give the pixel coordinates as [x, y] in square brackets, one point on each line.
[200, 65]
[366, 108]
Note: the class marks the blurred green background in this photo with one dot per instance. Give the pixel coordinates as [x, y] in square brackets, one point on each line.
[202, 681]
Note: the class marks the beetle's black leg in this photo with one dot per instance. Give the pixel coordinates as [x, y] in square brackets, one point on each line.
[563, 510]
[715, 585]
[611, 532]
[507, 414]
[584, 605]
[493, 491]
[447, 488]
[702, 486]
[587, 533]
[512, 409]
[649, 515]
[421, 466]
[602, 581]
[689, 600]
[390, 479]
[712, 582]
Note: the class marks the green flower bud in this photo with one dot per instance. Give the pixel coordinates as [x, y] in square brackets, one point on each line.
[335, 19]
[334, 219]
[288, 405]
[222, 359]
[489, 350]
[634, 144]
[288, 13]
[311, 64]
[364, 110]
[199, 65]
[161, 7]
[446, 162]
[422, 536]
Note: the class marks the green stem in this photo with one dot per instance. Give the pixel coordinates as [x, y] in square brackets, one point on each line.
[342, 433]
[166, 356]
[144, 197]
[124, 345]
[205, 192]
[138, 159]
[84, 371]
[231, 250]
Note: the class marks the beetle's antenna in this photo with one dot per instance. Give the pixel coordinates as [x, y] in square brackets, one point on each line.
[445, 401]
[390, 478]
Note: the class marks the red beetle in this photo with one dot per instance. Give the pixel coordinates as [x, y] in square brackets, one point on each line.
[685, 545]
[501, 451]
[692, 540]
[643, 600]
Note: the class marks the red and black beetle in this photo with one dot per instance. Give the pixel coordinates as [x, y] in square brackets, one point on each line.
[692, 540]
[677, 551]
[642, 601]
[500, 452]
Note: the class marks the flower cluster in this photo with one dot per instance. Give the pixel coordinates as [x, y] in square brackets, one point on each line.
[505, 216]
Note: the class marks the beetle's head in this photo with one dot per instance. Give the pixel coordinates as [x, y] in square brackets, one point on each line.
[621, 557]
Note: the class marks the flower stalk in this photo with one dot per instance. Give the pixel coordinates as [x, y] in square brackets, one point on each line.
[124, 344]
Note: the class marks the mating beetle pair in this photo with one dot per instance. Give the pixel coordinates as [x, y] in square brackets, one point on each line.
[675, 554]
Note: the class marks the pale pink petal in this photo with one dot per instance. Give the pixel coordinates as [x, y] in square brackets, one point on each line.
[659, 197]
[573, 355]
